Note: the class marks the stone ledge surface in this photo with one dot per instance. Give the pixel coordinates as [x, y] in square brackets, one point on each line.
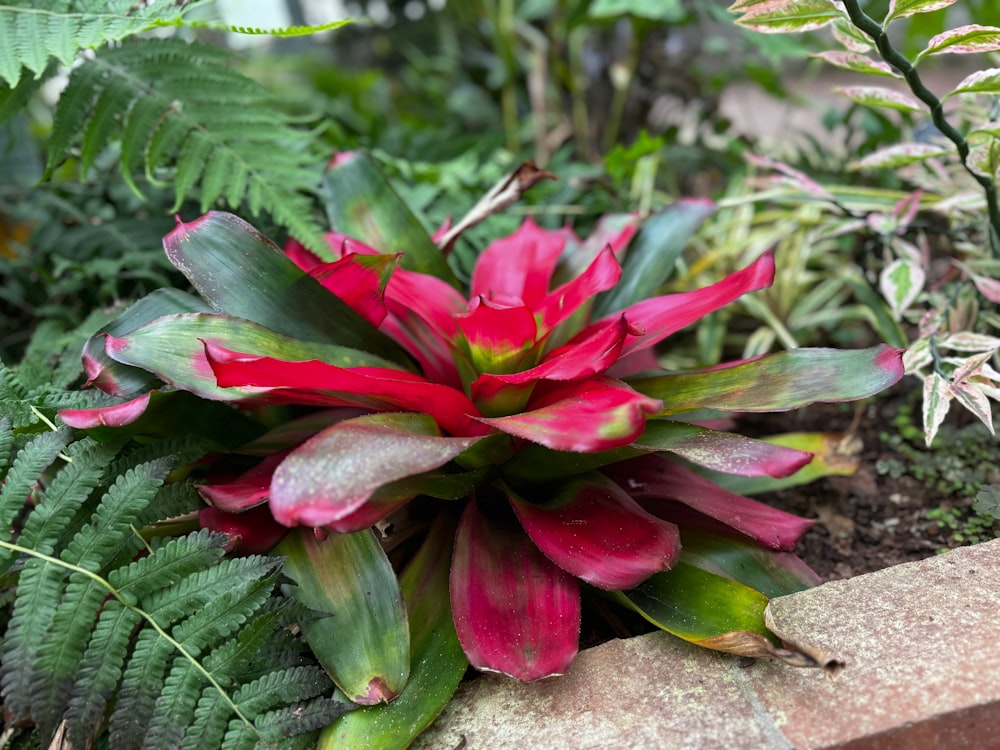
[922, 647]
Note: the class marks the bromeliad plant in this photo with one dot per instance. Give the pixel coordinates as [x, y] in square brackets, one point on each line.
[521, 420]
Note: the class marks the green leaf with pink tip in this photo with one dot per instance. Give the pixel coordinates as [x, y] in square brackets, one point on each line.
[437, 660]
[788, 16]
[592, 528]
[173, 348]
[240, 272]
[904, 8]
[335, 473]
[964, 40]
[778, 382]
[516, 612]
[362, 204]
[124, 380]
[650, 258]
[359, 633]
[722, 451]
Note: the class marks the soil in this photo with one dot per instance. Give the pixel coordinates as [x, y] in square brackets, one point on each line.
[903, 503]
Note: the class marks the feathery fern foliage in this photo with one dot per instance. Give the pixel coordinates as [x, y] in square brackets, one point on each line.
[33, 33]
[185, 116]
[114, 632]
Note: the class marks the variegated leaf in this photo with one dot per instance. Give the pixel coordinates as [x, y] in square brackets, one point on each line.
[876, 96]
[963, 41]
[899, 155]
[972, 398]
[937, 399]
[904, 8]
[787, 16]
[851, 37]
[989, 288]
[900, 283]
[981, 82]
[966, 341]
[857, 63]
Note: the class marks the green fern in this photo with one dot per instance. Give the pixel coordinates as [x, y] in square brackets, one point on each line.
[162, 644]
[109, 638]
[186, 117]
[32, 33]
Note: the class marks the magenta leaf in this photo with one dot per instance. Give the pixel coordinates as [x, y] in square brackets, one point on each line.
[657, 483]
[593, 529]
[249, 489]
[563, 302]
[499, 336]
[332, 475]
[321, 384]
[722, 451]
[515, 611]
[360, 281]
[590, 415]
[251, 533]
[658, 317]
[778, 382]
[115, 415]
[519, 266]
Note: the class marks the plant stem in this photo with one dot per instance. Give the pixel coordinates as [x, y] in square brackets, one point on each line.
[891, 55]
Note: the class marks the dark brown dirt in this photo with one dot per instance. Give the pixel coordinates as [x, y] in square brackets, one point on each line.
[903, 500]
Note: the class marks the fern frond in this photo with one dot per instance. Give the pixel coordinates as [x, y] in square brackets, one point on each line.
[185, 116]
[30, 36]
[21, 479]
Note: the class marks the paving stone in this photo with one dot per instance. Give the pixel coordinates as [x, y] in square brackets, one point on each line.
[922, 649]
[921, 643]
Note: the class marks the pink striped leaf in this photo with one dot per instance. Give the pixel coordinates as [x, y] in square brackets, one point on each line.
[515, 611]
[593, 529]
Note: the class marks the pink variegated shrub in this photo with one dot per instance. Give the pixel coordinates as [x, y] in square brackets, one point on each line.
[527, 408]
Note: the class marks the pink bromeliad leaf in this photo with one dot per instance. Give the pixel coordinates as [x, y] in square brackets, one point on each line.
[499, 336]
[318, 383]
[656, 482]
[336, 472]
[659, 317]
[249, 489]
[116, 415]
[589, 415]
[561, 303]
[593, 529]
[515, 611]
[520, 265]
[722, 451]
[254, 532]
[360, 281]
[585, 357]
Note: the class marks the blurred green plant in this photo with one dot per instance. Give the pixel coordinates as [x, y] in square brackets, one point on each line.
[953, 166]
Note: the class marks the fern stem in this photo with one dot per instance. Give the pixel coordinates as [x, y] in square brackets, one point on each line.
[143, 614]
[891, 55]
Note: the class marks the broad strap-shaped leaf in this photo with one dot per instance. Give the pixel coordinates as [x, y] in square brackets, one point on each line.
[833, 454]
[240, 272]
[336, 472]
[604, 273]
[114, 415]
[652, 320]
[359, 634]
[321, 384]
[593, 529]
[437, 661]
[659, 483]
[515, 611]
[588, 415]
[122, 380]
[778, 382]
[499, 336]
[651, 256]
[722, 451]
[769, 572]
[361, 203]
[174, 348]
[360, 281]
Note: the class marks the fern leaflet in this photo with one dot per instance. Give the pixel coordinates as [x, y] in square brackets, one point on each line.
[186, 117]
[32, 33]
